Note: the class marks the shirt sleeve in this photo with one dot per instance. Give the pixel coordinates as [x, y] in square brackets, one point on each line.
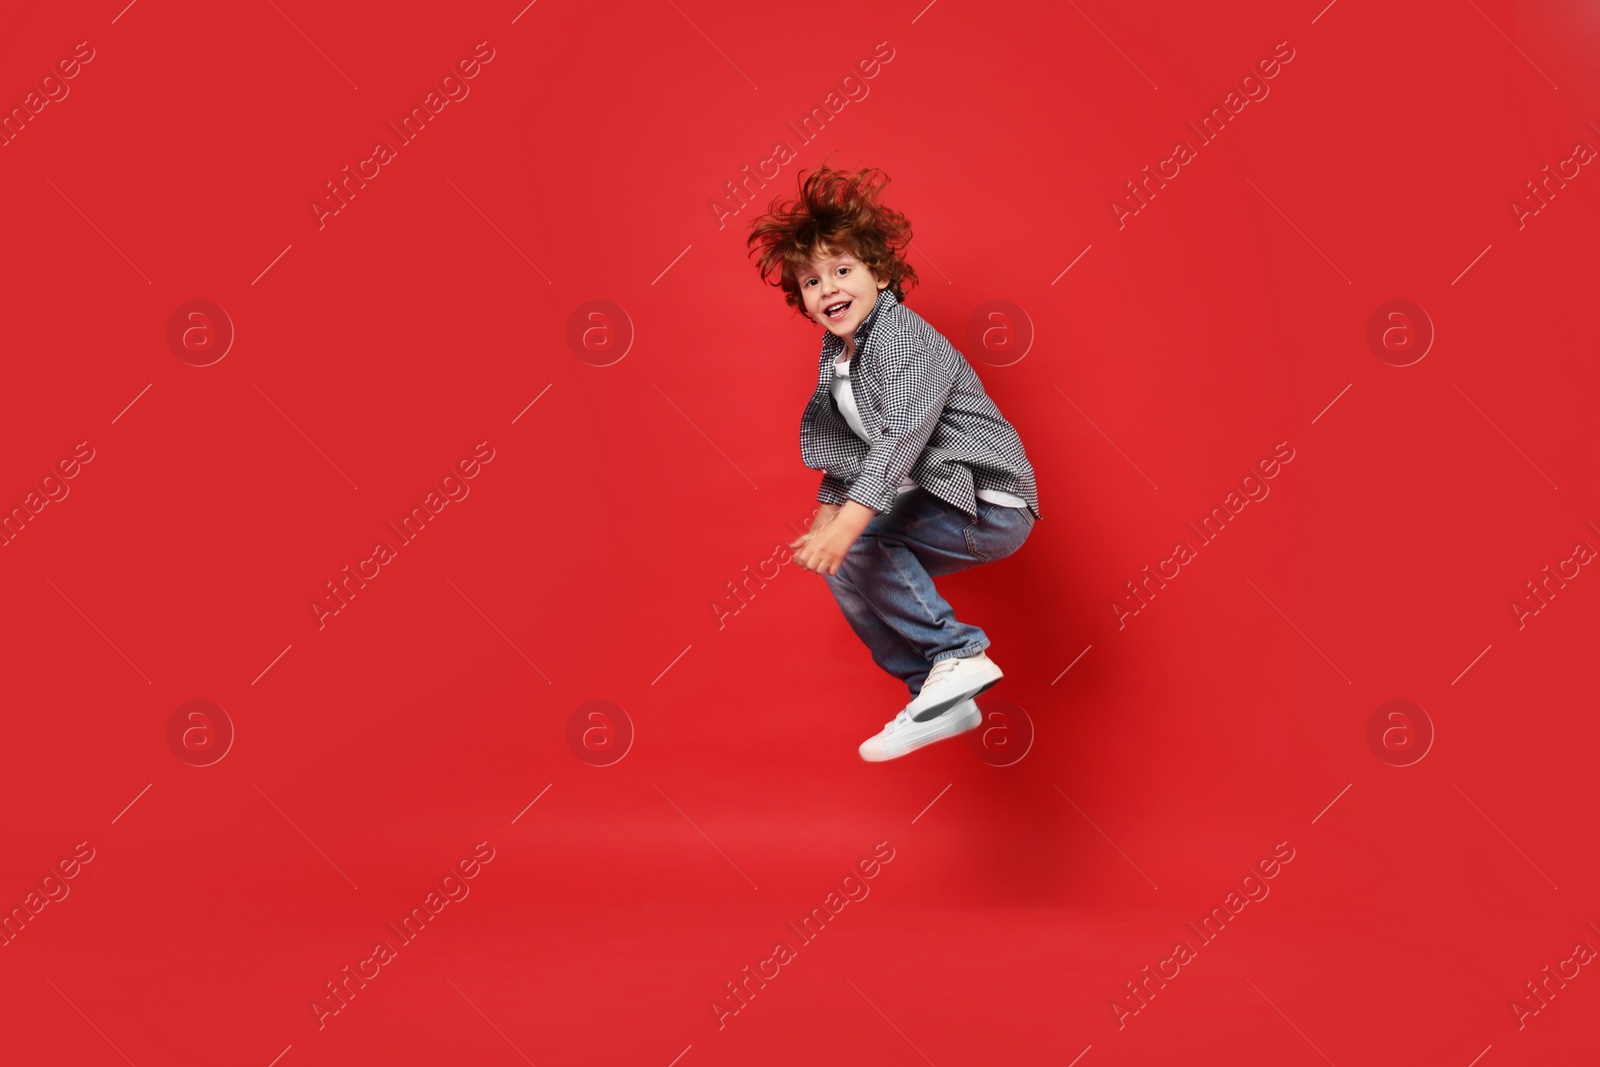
[832, 490]
[914, 384]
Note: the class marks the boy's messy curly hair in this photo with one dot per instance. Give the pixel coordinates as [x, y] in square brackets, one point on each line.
[836, 212]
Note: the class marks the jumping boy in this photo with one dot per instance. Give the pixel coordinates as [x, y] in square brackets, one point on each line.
[922, 475]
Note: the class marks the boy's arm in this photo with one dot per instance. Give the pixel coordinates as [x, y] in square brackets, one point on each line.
[825, 514]
[915, 387]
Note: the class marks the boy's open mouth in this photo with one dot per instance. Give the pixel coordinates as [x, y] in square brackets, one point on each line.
[836, 311]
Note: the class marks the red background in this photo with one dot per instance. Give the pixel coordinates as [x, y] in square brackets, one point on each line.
[373, 353]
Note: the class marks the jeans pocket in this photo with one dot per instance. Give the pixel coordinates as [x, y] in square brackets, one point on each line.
[980, 532]
[974, 536]
[999, 531]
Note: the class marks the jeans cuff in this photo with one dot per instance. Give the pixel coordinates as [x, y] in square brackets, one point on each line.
[963, 653]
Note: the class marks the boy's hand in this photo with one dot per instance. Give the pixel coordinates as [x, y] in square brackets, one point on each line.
[823, 547]
[825, 514]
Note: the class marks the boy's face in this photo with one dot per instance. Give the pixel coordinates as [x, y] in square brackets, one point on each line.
[834, 279]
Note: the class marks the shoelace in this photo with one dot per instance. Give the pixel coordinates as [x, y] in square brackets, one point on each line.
[903, 718]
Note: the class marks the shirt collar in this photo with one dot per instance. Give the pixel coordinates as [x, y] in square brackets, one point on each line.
[832, 345]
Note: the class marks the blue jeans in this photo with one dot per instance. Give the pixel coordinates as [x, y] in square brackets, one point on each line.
[885, 582]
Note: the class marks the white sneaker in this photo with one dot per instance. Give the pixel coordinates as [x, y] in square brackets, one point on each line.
[953, 680]
[902, 734]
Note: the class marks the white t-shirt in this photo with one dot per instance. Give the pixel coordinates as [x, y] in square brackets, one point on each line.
[844, 395]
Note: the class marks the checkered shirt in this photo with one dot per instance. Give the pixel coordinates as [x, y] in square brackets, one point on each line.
[926, 412]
